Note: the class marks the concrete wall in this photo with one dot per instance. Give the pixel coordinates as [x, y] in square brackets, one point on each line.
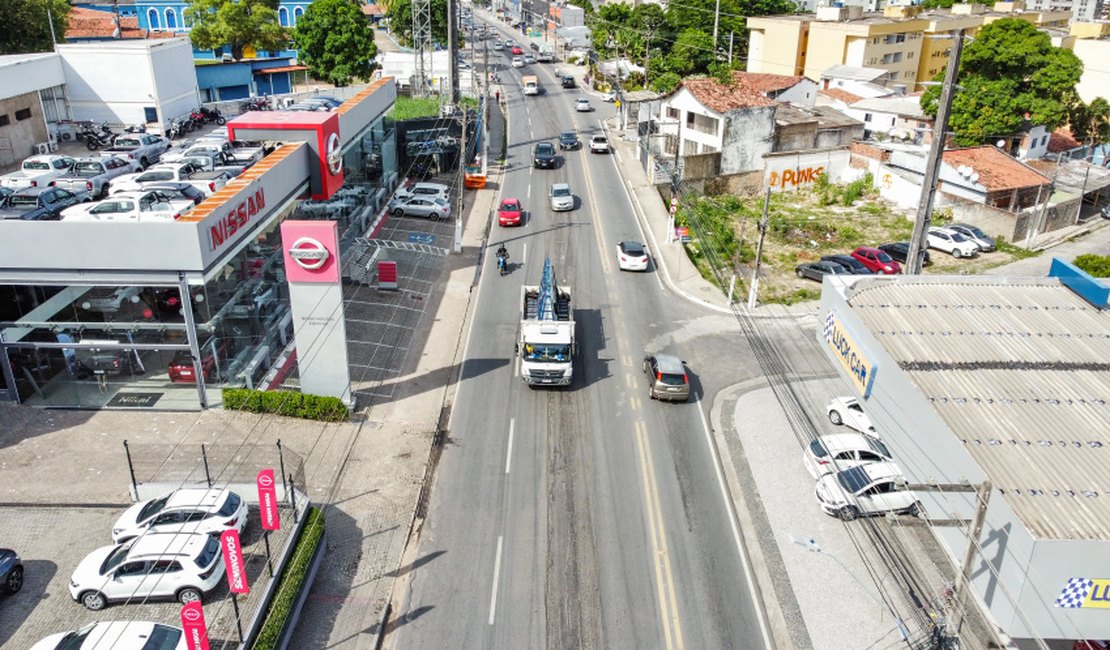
[803, 93]
[787, 172]
[19, 137]
[1095, 81]
[748, 136]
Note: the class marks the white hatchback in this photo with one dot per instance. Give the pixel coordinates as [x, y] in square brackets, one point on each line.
[518, 62]
[599, 144]
[188, 510]
[582, 105]
[116, 635]
[174, 566]
[847, 411]
[632, 256]
[864, 490]
[840, 451]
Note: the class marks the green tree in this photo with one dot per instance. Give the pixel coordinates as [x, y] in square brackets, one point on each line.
[665, 82]
[586, 6]
[400, 20]
[938, 4]
[1008, 70]
[334, 40]
[236, 24]
[690, 53]
[25, 24]
[1090, 123]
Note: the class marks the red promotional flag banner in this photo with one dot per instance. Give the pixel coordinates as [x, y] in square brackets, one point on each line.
[267, 500]
[192, 622]
[233, 560]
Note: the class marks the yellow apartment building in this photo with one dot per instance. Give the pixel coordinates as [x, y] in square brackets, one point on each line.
[777, 44]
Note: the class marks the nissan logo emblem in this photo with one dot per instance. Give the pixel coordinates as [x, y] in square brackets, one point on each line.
[334, 156]
[308, 253]
[190, 614]
[265, 481]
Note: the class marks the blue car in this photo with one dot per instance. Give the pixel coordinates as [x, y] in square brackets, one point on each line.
[11, 571]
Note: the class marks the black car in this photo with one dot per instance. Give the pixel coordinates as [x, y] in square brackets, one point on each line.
[818, 270]
[569, 140]
[11, 571]
[5, 192]
[847, 261]
[899, 250]
[543, 155]
[177, 191]
[40, 203]
[568, 82]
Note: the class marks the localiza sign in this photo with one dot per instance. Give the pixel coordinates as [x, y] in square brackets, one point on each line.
[192, 623]
[267, 500]
[233, 559]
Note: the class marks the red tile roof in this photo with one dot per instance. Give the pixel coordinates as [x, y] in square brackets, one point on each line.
[1062, 140]
[91, 23]
[372, 9]
[766, 83]
[723, 99]
[997, 171]
[841, 94]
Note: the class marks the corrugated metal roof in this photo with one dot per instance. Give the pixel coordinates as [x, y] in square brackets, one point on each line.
[1019, 369]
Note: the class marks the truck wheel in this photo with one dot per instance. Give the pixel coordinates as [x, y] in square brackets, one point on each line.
[92, 143]
[104, 192]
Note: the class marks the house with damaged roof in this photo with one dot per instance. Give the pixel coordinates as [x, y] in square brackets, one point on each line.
[759, 130]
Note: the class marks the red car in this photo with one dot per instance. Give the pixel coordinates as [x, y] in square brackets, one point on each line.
[876, 261]
[181, 368]
[517, 50]
[509, 214]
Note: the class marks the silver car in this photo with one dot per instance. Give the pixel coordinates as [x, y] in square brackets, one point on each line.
[562, 198]
[421, 206]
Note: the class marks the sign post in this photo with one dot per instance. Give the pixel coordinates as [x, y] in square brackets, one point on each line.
[670, 227]
[192, 622]
[268, 510]
[236, 572]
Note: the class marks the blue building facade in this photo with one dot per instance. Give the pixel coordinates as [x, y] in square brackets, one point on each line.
[241, 79]
[169, 16]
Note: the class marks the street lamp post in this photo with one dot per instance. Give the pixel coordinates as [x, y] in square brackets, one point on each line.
[813, 547]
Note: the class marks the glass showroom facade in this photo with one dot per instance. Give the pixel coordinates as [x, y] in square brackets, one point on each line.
[169, 338]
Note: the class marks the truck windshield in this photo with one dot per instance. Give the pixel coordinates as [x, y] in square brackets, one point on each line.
[87, 169]
[546, 353]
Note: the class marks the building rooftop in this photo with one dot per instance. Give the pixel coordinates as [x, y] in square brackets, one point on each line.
[840, 94]
[1017, 368]
[93, 24]
[852, 72]
[748, 90]
[903, 105]
[826, 117]
[997, 170]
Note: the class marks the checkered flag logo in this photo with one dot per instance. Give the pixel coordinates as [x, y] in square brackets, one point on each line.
[1074, 593]
[830, 322]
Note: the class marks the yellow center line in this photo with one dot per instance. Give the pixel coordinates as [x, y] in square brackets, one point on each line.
[665, 556]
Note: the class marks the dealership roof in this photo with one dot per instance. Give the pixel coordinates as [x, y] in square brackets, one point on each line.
[1019, 370]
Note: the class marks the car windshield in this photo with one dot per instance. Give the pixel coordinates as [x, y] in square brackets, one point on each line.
[957, 236]
[126, 143]
[883, 257]
[632, 249]
[113, 207]
[75, 639]
[87, 169]
[231, 506]
[560, 191]
[567, 137]
[543, 147]
[163, 637]
[208, 553]
[510, 206]
[155, 176]
[853, 480]
[153, 507]
[599, 139]
[23, 201]
[36, 165]
[878, 447]
[114, 559]
[975, 231]
[545, 353]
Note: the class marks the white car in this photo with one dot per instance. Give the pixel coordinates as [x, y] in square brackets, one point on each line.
[599, 144]
[864, 490]
[518, 62]
[562, 198]
[841, 451]
[498, 46]
[189, 510]
[427, 190]
[847, 411]
[140, 206]
[582, 105]
[632, 256]
[952, 242]
[117, 635]
[529, 59]
[421, 206]
[108, 300]
[177, 566]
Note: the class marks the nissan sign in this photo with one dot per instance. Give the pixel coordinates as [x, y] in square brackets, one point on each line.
[192, 623]
[308, 253]
[267, 500]
[233, 559]
[333, 155]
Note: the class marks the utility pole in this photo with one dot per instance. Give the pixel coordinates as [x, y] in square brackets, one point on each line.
[459, 181]
[959, 590]
[753, 289]
[730, 35]
[915, 257]
[716, 24]
[486, 114]
[452, 55]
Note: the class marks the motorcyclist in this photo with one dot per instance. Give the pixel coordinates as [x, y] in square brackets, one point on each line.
[502, 258]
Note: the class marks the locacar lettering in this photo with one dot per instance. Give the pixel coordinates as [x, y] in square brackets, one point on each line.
[236, 218]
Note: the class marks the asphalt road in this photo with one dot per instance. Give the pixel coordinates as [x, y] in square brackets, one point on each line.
[588, 517]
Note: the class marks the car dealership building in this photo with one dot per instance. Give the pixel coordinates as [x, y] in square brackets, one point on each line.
[977, 379]
[157, 314]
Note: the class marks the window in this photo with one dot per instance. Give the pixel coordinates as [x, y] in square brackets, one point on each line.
[150, 114]
[23, 114]
[152, 19]
[297, 13]
[689, 119]
[4, 120]
[867, 117]
[283, 17]
[1044, 140]
[672, 112]
[171, 19]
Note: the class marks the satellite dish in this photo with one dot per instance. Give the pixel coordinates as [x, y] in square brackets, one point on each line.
[1000, 144]
[974, 177]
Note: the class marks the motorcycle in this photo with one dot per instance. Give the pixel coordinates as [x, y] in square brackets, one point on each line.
[503, 264]
[96, 138]
[137, 128]
[176, 130]
[257, 104]
[213, 115]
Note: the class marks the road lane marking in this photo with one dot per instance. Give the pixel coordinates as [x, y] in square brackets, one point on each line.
[496, 579]
[760, 613]
[664, 579]
[606, 266]
[640, 211]
[509, 453]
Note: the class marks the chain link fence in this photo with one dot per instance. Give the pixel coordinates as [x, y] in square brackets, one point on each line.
[211, 464]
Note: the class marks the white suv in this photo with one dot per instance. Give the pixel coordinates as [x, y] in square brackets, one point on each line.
[177, 566]
[599, 144]
[116, 635]
[188, 510]
[952, 242]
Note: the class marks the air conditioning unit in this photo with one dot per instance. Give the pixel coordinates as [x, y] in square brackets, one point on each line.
[42, 148]
[226, 58]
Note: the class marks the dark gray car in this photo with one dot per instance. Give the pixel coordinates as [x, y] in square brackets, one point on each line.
[40, 203]
[847, 261]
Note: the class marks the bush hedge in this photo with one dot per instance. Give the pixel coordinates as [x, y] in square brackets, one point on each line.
[286, 402]
[292, 581]
[1096, 265]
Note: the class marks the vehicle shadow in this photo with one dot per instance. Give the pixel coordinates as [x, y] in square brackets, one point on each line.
[37, 575]
[590, 335]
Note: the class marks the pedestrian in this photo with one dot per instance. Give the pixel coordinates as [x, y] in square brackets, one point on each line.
[497, 94]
